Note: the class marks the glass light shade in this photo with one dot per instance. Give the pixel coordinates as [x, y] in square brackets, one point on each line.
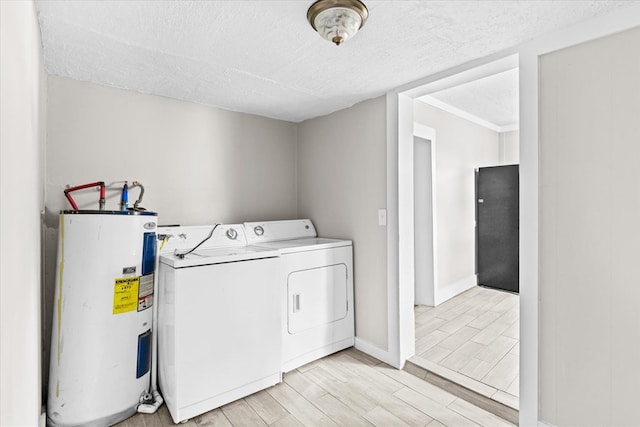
[337, 24]
[337, 20]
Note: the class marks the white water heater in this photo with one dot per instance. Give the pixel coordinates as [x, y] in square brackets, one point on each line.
[102, 317]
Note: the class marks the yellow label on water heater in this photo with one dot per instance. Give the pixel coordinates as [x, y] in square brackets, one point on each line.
[125, 294]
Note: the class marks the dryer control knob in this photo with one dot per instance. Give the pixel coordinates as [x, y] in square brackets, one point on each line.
[258, 230]
[232, 234]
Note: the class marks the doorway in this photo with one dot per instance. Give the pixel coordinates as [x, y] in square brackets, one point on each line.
[463, 333]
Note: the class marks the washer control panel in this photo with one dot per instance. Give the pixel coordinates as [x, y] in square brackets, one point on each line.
[273, 231]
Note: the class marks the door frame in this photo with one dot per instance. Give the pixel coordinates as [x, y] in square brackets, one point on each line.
[429, 134]
[400, 240]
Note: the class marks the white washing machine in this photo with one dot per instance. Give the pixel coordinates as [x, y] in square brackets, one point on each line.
[219, 318]
[316, 287]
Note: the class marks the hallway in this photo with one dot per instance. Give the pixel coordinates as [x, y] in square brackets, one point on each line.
[473, 340]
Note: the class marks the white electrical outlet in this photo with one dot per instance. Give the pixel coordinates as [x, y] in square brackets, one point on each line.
[382, 217]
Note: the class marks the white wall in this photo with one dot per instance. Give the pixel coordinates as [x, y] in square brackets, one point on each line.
[341, 186]
[590, 233]
[199, 164]
[509, 147]
[462, 146]
[22, 113]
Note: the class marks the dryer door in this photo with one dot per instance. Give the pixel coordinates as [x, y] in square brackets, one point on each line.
[316, 297]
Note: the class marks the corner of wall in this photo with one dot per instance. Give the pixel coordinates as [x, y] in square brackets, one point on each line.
[297, 169]
[23, 115]
[450, 290]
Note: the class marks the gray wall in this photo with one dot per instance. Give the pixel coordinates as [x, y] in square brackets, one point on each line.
[22, 134]
[199, 164]
[341, 186]
[461, 146]
[590, 233]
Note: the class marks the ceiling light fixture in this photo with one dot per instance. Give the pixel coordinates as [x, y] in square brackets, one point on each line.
[337, 20]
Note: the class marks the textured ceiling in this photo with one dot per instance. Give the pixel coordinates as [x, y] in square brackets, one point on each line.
[493, 99]
[262, 57]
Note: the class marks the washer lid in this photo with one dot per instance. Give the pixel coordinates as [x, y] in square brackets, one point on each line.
[218, 256]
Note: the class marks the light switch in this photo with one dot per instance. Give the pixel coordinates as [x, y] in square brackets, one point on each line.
[382, 217]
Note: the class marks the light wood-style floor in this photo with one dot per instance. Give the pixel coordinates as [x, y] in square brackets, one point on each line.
[473, 340]
[345, 389]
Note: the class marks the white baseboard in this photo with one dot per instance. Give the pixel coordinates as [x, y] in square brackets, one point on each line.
[543, 424]
[380, 354]
[447, 292]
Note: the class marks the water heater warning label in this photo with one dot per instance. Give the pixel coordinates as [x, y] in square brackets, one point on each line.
[125, 294]
[145, 296]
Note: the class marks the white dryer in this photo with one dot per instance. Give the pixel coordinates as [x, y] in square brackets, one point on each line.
[316, 287]
[219, 318]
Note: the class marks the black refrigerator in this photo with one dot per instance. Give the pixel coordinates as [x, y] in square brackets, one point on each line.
[497, 227]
